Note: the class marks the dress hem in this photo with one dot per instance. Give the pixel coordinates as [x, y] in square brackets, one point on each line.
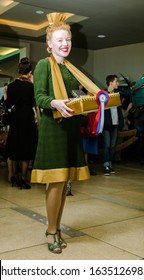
[59, 175]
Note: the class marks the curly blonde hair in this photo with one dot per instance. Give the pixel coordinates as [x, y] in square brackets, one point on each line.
[56, 26]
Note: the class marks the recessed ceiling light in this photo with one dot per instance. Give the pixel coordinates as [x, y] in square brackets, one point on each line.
[101, 36]
[39, 12]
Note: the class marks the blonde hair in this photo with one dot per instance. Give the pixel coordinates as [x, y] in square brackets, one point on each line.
[61, 25]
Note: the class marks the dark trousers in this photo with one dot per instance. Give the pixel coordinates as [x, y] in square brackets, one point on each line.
[109, 142]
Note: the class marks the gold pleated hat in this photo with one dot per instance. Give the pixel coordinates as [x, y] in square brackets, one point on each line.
[58, 17]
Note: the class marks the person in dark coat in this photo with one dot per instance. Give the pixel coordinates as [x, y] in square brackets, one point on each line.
[22, 136]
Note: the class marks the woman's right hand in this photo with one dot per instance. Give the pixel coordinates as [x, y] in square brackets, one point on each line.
[61, 106]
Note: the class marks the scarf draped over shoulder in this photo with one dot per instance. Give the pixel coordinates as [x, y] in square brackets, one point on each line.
[58, 83]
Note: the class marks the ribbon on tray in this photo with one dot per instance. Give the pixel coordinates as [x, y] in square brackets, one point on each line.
[102, 99]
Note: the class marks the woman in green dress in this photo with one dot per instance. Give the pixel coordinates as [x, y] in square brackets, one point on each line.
[59, 155]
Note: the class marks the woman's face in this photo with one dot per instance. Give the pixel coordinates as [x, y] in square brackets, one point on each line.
[60, 43]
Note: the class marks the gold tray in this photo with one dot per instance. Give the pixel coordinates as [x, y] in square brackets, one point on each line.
[87, 104]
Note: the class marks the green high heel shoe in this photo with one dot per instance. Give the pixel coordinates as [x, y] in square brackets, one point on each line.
[61, 240]
[54, 247]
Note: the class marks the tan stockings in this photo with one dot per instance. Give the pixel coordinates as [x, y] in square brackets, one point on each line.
[55, 200]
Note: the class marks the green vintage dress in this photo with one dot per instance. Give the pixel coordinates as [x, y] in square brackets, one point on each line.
[59, 155]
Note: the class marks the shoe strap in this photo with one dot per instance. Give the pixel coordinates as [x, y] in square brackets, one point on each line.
[53, 234]
[59, 232]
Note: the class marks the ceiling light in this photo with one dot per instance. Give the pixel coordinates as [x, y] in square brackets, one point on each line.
[6, 5]
[6, 50]
[39, 12]
[101, 36]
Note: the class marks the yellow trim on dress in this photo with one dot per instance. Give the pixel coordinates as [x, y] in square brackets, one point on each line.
[59, 175]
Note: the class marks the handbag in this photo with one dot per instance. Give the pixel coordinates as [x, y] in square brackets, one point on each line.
[88, 128]
[3, 139]
[6, 118]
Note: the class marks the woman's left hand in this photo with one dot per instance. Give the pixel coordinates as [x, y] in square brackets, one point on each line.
[61, 106]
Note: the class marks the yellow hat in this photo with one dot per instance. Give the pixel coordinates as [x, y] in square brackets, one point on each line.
[58, 17]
